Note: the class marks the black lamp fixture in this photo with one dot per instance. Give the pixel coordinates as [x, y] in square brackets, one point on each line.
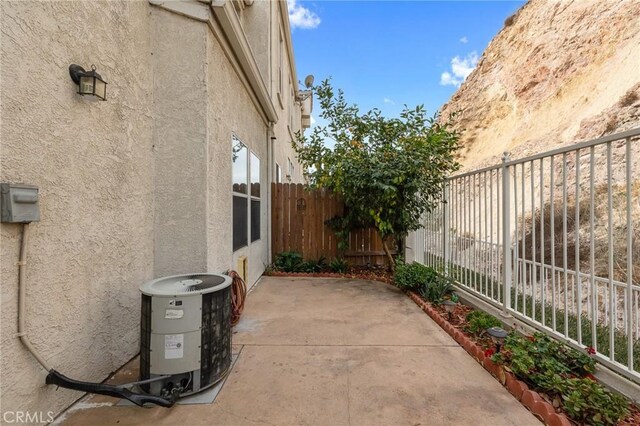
[497, 336]
[89, 82]
[449, 306]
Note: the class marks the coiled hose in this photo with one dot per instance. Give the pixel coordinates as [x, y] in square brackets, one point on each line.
[238, 296]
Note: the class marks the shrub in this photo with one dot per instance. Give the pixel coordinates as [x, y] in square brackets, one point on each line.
[313, 265]
[292, 261]
[587, 402]
[510, 20]
[629, 98]
[437, 288]
[540, 349]
[413, 276]
[564, 374]
[338, 265]
[478, 322]
[288, 261]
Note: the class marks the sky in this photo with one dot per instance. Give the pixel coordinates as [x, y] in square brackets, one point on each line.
[385, 54]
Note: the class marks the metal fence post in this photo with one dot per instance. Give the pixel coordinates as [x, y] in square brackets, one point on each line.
[445, 227]
[506, 236]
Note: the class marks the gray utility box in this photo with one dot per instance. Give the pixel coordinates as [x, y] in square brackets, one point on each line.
[19, 203]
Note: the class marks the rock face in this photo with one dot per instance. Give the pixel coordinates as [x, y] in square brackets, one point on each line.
[559, 72]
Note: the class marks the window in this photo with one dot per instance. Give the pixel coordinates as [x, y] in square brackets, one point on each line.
[240, 198]
[246, 195]
[255, 197]
[290, 169]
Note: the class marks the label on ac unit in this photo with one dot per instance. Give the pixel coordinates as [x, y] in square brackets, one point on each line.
[173, 313]
[173, 346]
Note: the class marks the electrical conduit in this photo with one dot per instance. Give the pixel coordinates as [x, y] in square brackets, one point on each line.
[22, 298]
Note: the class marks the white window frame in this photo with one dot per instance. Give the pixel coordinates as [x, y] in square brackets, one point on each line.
[247, 196]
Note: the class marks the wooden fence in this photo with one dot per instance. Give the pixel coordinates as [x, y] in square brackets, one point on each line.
[298, 220]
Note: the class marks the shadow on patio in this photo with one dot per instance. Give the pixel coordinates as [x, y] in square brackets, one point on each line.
[333, 352]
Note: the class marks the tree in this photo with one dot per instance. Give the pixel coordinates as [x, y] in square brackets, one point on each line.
[388, 171]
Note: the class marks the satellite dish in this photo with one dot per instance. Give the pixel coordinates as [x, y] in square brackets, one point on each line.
[308, 81]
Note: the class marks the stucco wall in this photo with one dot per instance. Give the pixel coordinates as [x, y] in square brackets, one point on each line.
[180, 143]
[282, 150]
[254, 19]
[93, 164]
[231, 112]
[132, 188]
[199, 104]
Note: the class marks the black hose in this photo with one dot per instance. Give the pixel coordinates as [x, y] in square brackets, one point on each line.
[55, 378]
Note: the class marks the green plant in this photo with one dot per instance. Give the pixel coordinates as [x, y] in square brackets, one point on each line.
[292, 261]
[338, 265]
[437, 288]
[588, 402]
[313, 265]
[478, 322]
[531, 356]
[565, 375]
[388, 171]
[288, 261]
[554, 319]
[413, 276]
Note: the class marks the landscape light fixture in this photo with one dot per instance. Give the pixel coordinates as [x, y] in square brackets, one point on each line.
[497, 336]
[89, 82]
[449, 306]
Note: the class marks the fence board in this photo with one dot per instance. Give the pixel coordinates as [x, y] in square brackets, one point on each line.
[276, 217]
[298, 221]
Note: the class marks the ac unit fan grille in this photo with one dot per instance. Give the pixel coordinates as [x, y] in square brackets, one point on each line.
[145, 340]
[216, 336]
[207, 282]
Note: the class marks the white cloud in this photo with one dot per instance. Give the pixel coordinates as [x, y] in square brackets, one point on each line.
[312, 120]
[389, 101]
[301, 17]
[464, 40]
[447, 79]
[460, 70]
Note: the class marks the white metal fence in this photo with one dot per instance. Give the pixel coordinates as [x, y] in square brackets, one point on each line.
[552, 239]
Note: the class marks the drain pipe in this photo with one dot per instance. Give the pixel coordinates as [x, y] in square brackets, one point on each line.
[22, 298]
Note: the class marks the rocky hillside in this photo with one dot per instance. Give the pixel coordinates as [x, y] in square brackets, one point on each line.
[560, 71]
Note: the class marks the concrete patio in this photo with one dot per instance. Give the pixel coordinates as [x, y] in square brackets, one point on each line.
[317, 351]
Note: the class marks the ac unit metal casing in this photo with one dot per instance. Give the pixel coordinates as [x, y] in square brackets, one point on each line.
[185, 332]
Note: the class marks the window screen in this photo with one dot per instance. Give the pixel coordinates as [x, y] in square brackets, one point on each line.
[240, 218]
[255, 220]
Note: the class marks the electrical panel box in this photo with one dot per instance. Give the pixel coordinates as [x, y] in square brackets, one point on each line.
[19, 203]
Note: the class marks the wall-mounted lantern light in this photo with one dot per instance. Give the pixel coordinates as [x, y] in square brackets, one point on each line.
[89, 82]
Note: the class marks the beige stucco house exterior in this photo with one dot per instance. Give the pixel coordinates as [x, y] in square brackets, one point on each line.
[142, 184]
